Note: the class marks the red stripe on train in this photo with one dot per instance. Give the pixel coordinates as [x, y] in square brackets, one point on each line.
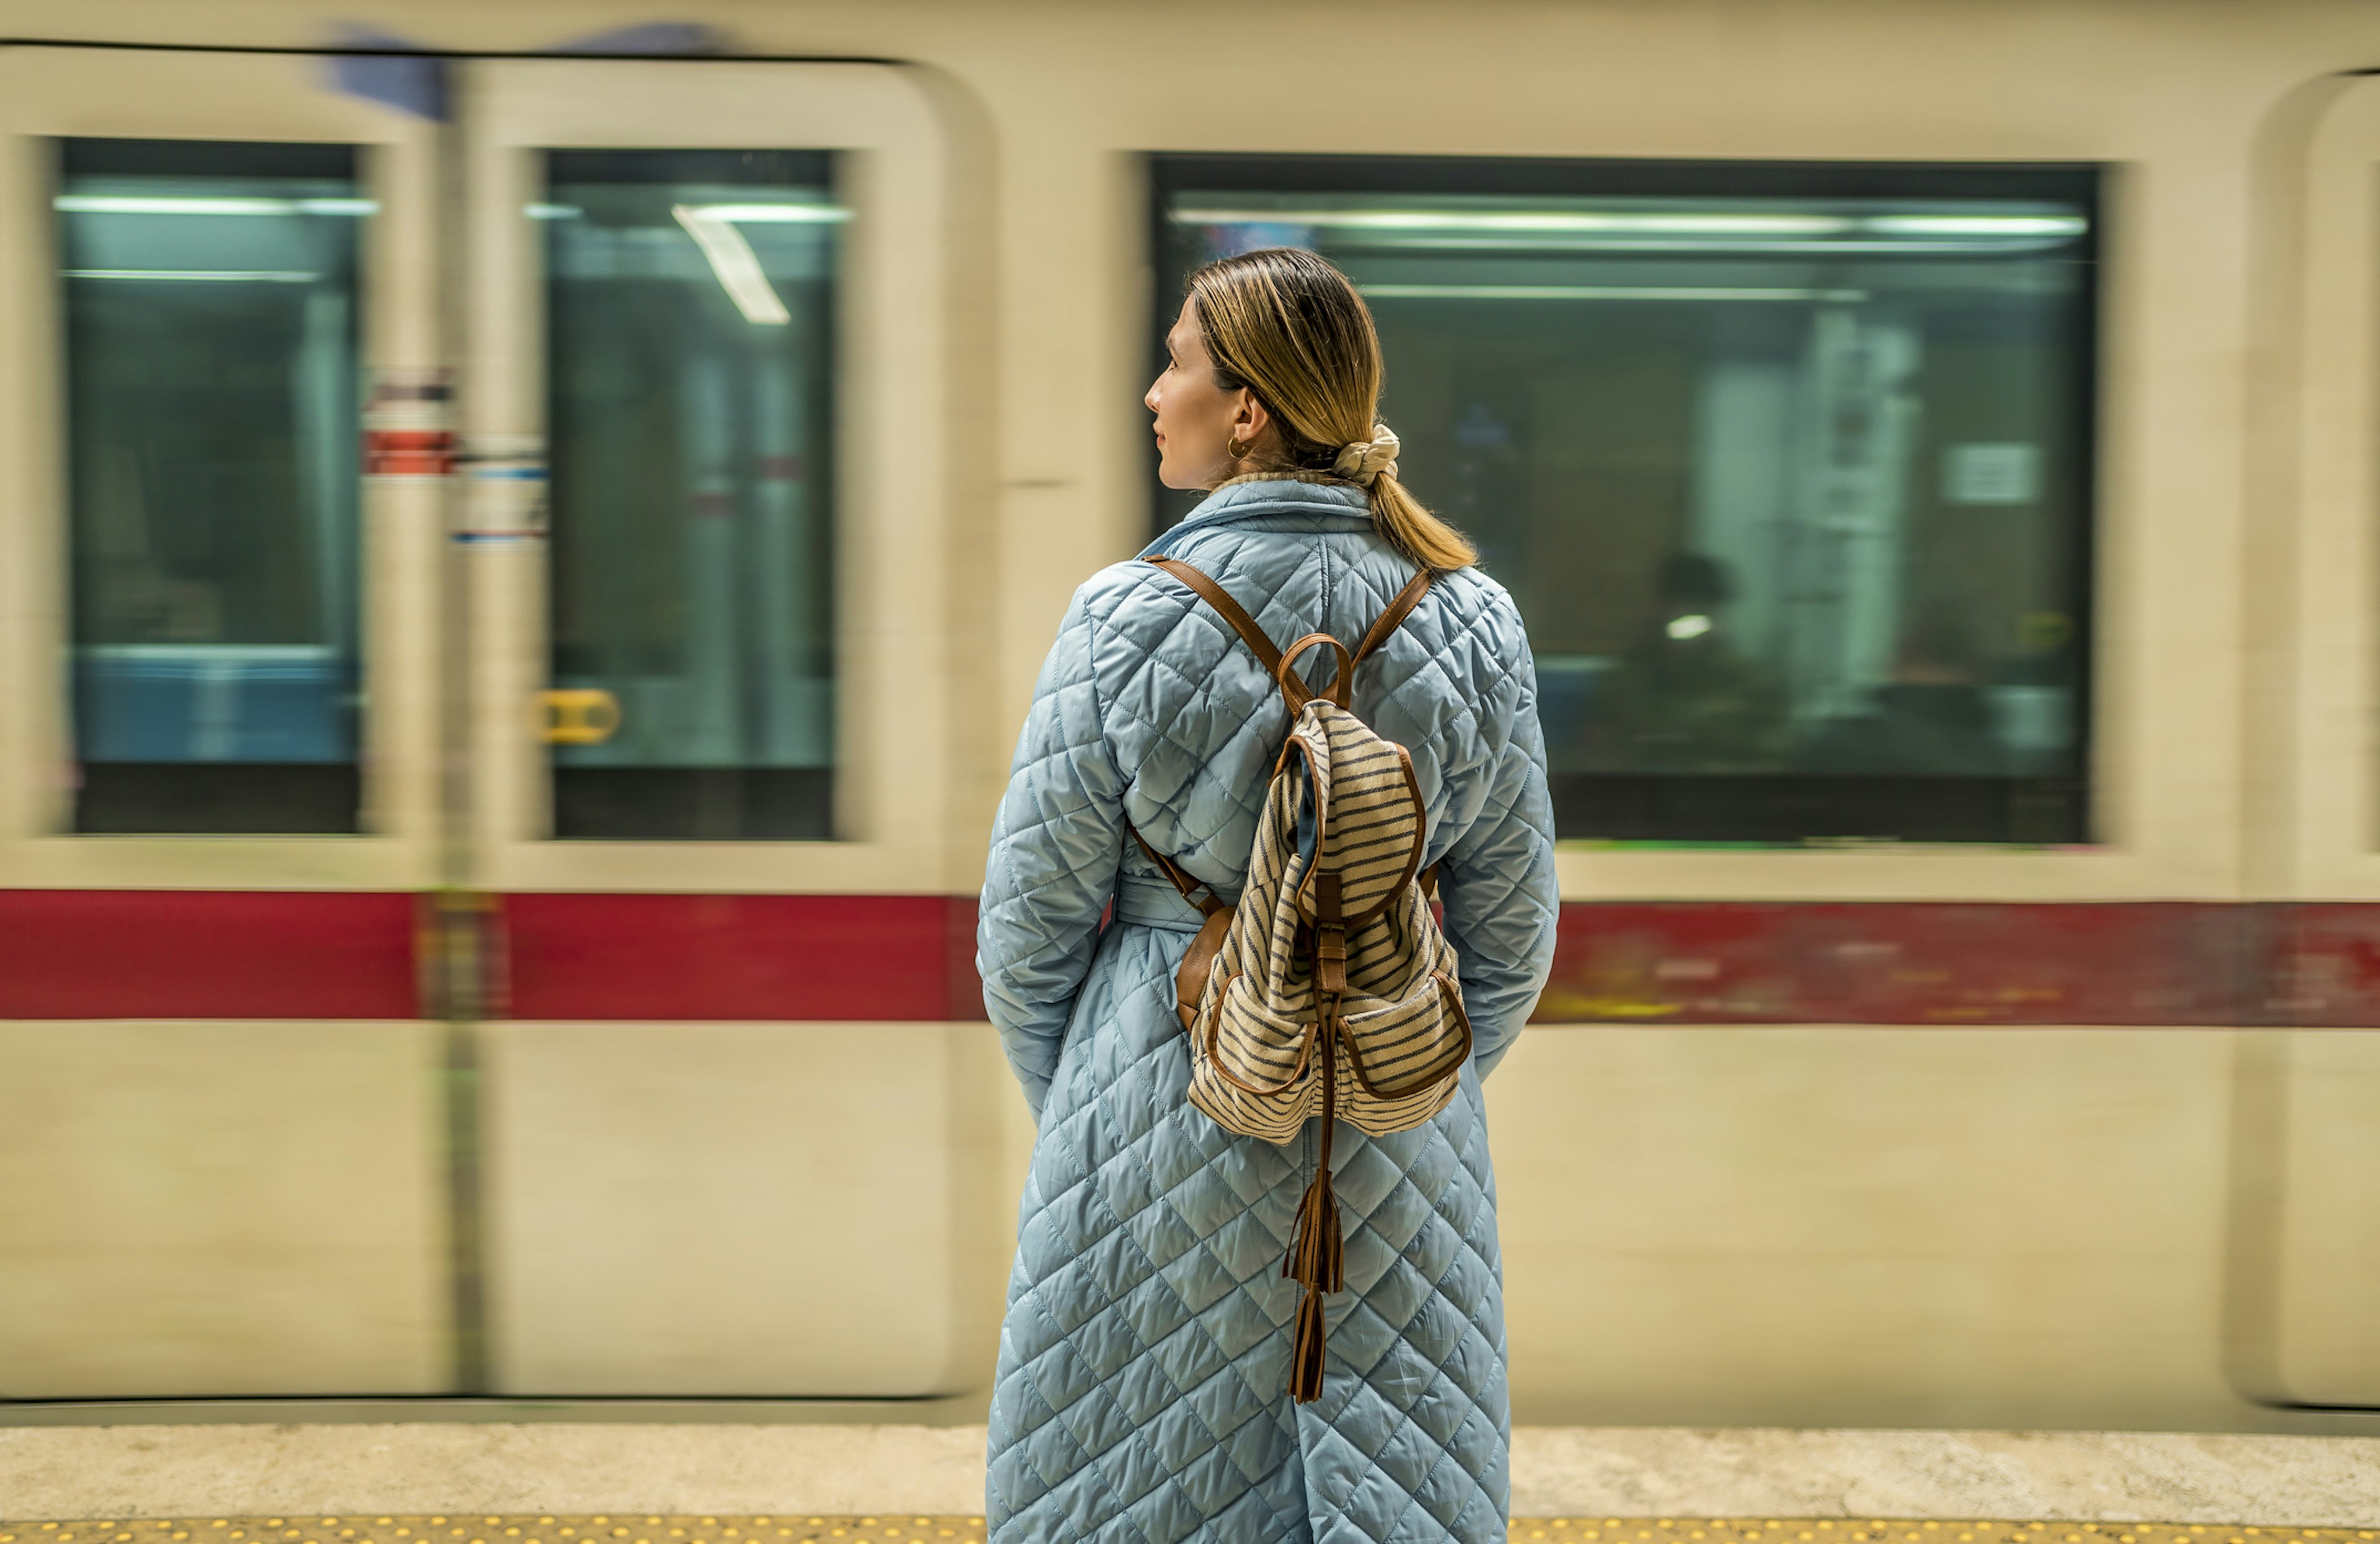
[681, 957]
[195, 954]
[95, 953]
[2129, 963]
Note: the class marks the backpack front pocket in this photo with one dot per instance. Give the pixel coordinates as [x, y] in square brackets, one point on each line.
[1399, 1050]
[1253, 1048]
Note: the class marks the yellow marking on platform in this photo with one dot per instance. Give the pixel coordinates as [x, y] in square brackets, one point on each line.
[918, 1529]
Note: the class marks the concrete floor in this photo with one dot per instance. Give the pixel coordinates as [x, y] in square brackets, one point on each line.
[223, 1470]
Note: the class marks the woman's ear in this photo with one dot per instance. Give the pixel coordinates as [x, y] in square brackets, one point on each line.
[1249, 419]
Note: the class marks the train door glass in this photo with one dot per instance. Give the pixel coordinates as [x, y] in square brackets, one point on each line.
[1787, 467]
[690, 337]
[209, 298]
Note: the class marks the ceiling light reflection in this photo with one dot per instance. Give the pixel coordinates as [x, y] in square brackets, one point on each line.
[1715, 224]
[774, 213]
[197, 275]
[1686, 227]
[126, 203]
[1608, 292]
[735, 265]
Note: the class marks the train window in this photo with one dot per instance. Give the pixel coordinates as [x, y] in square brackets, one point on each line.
[211, 363]
[1788, 466]
[691, 305]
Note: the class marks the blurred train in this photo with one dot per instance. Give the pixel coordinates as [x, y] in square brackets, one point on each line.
[474, 481]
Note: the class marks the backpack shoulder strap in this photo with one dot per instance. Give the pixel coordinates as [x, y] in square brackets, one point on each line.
[1230, 610]
[1182, 880]
[1261, 645]
[1394, 617]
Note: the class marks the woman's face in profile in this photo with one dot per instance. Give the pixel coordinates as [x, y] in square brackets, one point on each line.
[1196, 419]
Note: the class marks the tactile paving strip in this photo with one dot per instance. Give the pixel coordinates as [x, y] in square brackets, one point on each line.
[626, 1529]
[604, 1529]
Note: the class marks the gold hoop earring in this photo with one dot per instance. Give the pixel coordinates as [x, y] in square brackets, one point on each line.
[1236, 449]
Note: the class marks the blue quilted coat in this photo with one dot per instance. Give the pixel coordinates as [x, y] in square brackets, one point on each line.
[1142, 1390]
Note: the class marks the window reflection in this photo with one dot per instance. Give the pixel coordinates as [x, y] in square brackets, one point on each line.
[1787, 467]
[210, 310]
[691, 322]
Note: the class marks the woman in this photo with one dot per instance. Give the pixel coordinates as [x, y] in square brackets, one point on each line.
[1142, 1391]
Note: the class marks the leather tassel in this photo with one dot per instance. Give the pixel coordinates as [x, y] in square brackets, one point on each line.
[1305, 1350]
[1318, 1250]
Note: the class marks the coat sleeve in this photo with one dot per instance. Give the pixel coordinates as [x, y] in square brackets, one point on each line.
[1055, 848]
[1498, 881]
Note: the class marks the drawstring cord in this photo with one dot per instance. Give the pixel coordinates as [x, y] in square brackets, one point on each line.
[1318, 1252]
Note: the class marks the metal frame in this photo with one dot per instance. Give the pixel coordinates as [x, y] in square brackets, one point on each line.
[2079, 182]
[57, 92]
[891, 533]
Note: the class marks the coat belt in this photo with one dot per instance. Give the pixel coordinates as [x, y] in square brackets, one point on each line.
[1150, 901]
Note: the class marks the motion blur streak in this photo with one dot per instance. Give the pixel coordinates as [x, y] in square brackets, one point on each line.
[1930, 445]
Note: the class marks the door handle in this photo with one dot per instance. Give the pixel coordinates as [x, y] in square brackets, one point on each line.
[577, 715]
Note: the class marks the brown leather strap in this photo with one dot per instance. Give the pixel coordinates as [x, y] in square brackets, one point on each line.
[1261, 645]
[1394, 617]
[1229, 609]
[1342, 683]
[1182, 877]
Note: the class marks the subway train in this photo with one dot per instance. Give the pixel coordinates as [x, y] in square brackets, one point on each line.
[526, 533]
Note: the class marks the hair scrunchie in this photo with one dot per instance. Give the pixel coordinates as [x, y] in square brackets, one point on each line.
[1362, 460]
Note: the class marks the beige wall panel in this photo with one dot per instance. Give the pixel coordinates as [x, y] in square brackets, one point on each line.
[1864, 1226]
[220, 1208]
[2329, 1319]
[741, 1209]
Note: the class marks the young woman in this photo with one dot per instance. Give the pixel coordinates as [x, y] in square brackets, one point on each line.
[1142, 1391]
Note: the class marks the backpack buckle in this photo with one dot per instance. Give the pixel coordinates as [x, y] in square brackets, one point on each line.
[1329, 936]
[1330, 958]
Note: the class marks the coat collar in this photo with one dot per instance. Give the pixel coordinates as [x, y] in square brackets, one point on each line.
[1246, 498]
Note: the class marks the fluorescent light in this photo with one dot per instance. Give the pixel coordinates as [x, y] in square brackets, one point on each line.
[1740, 230]
[110, 204]
[732, 260]
[1604, 292]
[772, 213]
[1977, 224]
[1550, 221]
[197, 275]
[554, 212]
[1684, 628]
[83, 204]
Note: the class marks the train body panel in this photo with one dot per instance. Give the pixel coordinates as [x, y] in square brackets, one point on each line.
[679, 466]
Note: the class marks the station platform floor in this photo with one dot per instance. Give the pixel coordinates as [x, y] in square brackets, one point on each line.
[110, 1476]
[606, 1528]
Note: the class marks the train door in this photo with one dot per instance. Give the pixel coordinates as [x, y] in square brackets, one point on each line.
[702, 524]
[219, 1100]
[2307, 1176]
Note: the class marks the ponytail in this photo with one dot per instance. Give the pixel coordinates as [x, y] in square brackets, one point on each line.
[1284, 323]
[1415, 531]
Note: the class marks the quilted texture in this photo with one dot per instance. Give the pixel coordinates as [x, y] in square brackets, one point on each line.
[1141, 1393]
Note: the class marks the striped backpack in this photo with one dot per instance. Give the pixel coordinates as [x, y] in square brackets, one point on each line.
[1329, 990]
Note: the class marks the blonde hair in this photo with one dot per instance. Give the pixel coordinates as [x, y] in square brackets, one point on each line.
[1288, 326]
